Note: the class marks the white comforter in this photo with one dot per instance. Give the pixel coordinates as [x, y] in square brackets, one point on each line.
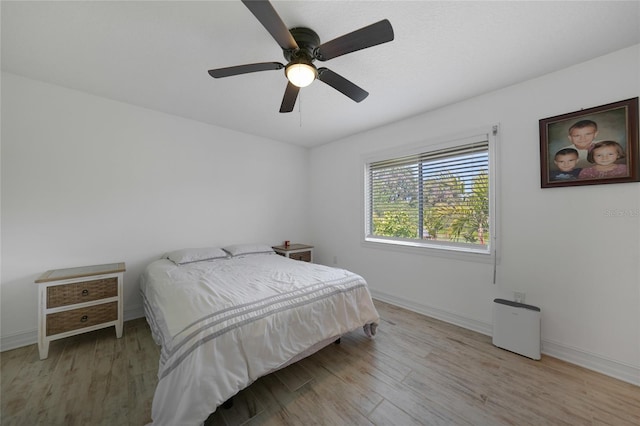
[224, 323]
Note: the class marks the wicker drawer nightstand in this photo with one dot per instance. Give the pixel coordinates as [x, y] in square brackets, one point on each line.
[296, 251]
[76, 300]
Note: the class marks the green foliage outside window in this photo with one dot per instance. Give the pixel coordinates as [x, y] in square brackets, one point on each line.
[454, 208]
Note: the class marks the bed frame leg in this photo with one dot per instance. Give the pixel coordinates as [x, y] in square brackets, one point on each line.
[228, 403]
[337, 341]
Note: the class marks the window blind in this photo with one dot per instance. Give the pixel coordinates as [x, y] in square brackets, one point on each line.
[441, 196]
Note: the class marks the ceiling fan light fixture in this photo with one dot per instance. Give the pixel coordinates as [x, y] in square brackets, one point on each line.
[301, 74]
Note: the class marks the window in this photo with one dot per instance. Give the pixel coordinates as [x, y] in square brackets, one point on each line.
[438, 196]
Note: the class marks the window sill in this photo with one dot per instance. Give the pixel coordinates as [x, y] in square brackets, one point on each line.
[449, 252]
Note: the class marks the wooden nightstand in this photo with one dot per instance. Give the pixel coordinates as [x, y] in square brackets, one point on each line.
[76, 300]
[296, 251]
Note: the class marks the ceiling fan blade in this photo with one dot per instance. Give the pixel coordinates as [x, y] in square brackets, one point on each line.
[271, 21]
[372, 35]
[244, 69]
[342, 85]
[289, 99]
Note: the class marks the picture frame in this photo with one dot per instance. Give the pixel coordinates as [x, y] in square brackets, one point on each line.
[577, 148]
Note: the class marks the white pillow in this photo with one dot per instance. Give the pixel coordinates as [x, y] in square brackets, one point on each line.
[243, 249]
[190, 255]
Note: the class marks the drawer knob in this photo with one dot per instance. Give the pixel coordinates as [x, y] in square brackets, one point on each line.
[85, 292]
[84, 318]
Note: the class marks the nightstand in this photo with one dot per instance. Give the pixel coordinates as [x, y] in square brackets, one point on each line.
[77, 300]
[296, 251]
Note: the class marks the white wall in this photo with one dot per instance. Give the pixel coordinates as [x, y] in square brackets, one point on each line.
[86, 180]
[560, 246]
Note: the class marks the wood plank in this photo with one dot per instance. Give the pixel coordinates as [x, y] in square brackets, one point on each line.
[388, 414]
[294, 376]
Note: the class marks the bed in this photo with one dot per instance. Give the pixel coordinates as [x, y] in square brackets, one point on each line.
[224, 318]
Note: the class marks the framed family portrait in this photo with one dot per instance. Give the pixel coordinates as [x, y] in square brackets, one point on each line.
[592, 146]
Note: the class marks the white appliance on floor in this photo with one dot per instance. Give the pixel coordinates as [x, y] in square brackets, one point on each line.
[516, 327]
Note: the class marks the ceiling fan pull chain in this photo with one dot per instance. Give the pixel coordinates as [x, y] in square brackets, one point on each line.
[300, 108]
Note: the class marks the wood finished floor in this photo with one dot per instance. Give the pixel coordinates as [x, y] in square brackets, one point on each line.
[417, 371]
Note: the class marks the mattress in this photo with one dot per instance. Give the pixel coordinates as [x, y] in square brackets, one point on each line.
[224, 323]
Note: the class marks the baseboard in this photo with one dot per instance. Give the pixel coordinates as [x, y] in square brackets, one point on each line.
[626, 373]
[430, 311]
[18, 340]
[577, 356]
[133, 313]
[30, 337]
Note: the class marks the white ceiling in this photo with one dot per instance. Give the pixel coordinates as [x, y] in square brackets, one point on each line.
[156, 55]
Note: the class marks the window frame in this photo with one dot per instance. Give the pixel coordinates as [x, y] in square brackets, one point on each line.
[462, 251]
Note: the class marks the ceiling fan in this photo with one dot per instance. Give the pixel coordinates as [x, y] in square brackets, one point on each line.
[301, 46]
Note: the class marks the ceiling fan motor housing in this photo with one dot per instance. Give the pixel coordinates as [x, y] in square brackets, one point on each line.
[307, 41]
